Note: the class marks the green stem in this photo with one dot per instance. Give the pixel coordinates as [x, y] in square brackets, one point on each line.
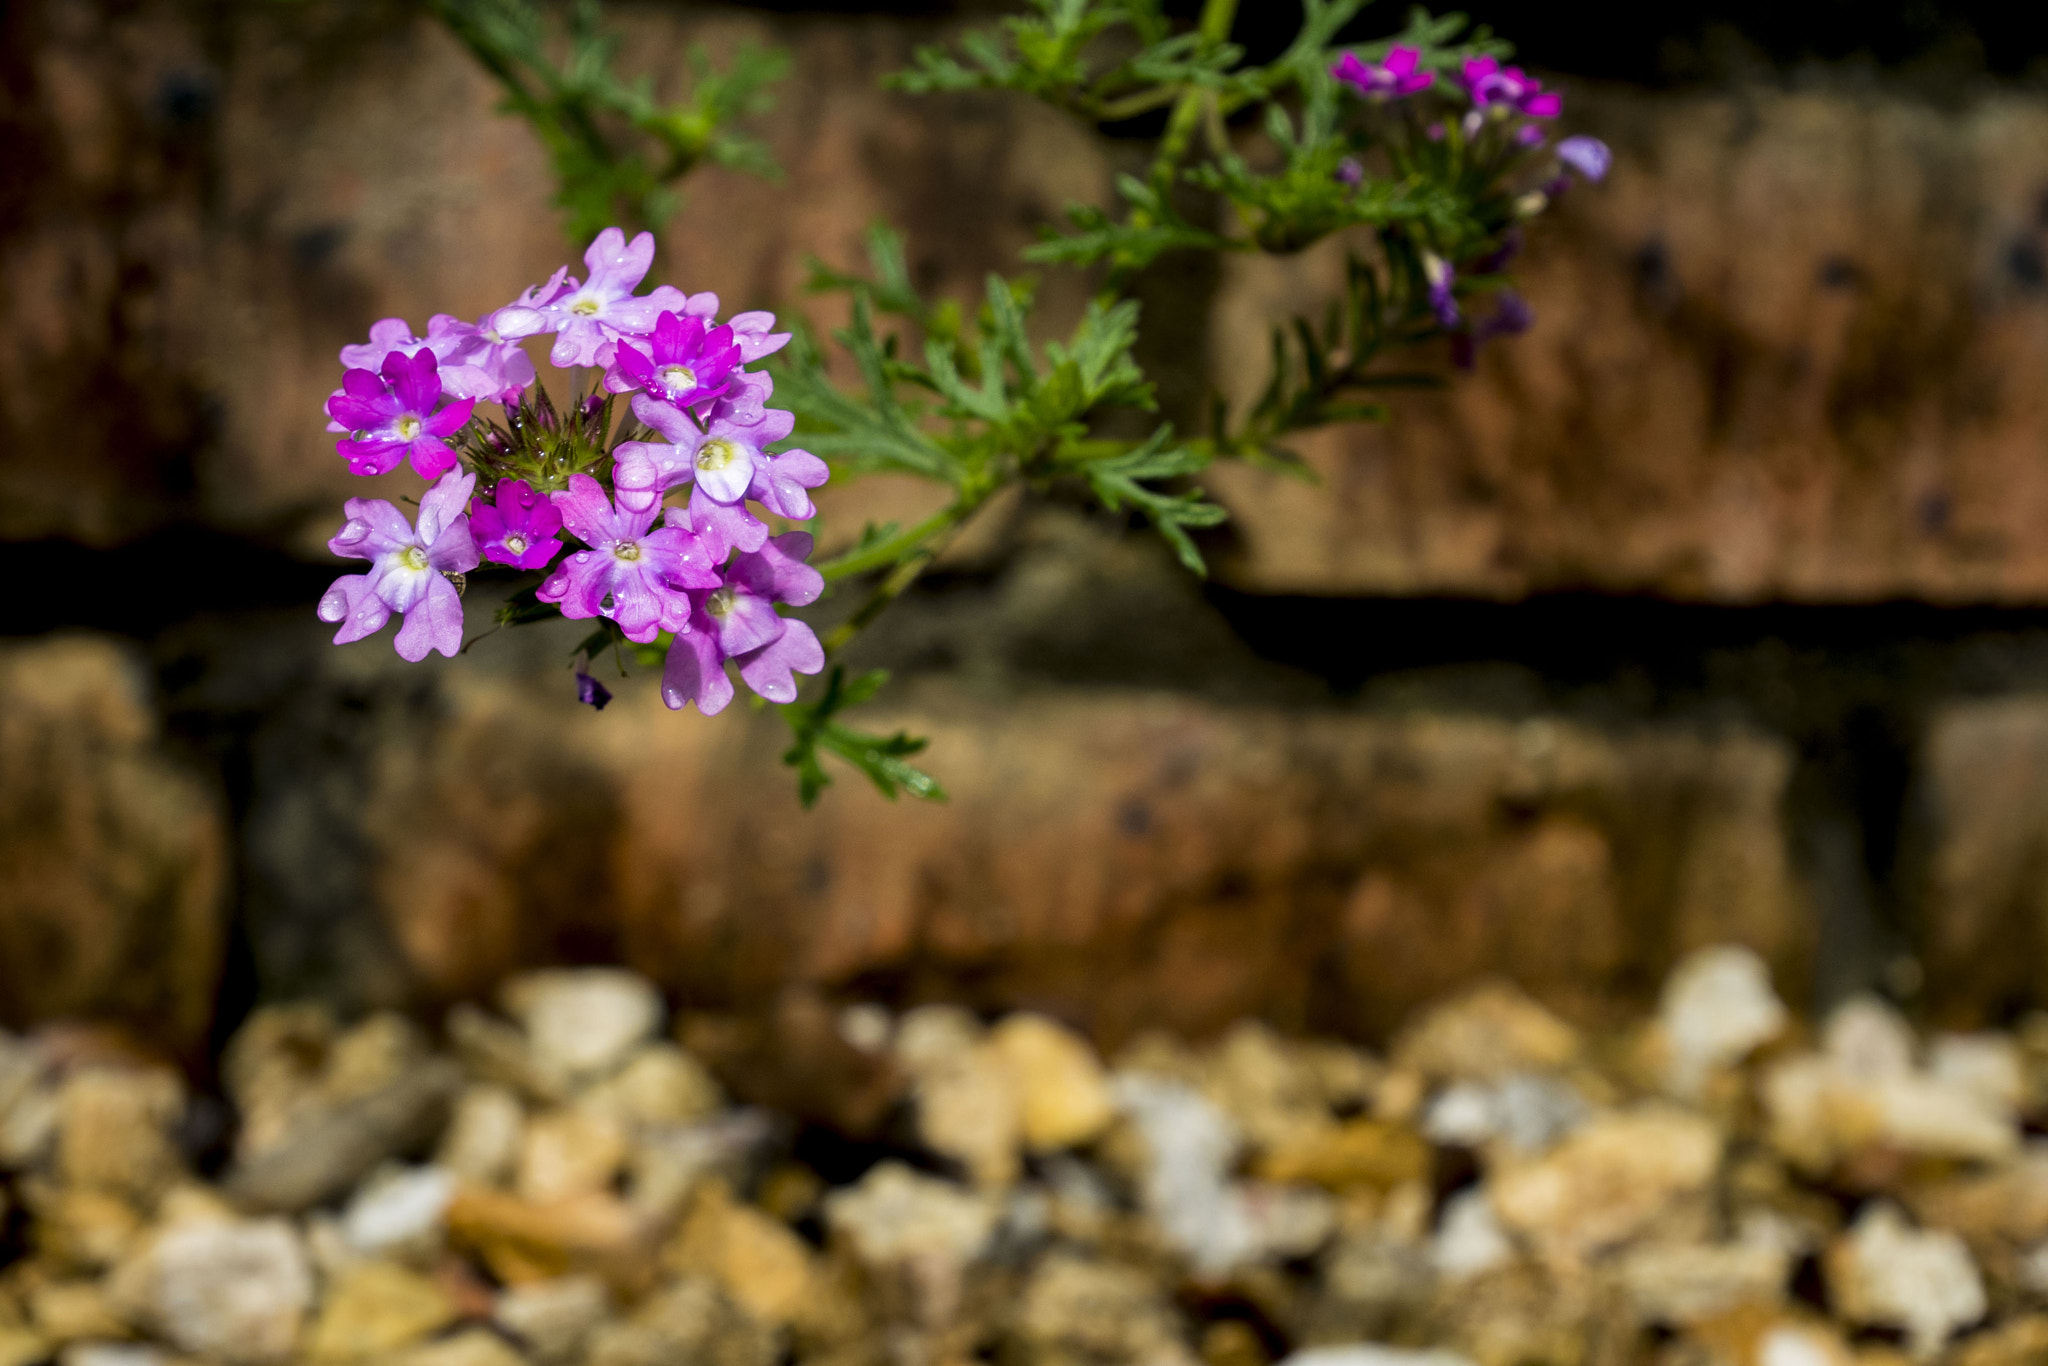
[909, 554]
[1217, 17]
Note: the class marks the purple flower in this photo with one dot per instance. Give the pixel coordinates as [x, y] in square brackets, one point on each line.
[1443, 301]
[406, 570]
[1350, 171]
[752, 332]
[631, 574]
[519, 529]
[1590, 157]
[686, 362]
[590, 692]
[1492, 85]
[722, 459]
[1394, 78]
[1511, 317]
[737, 620]
[602, 309]
[483, 359]
[386, 335]
[392, 416]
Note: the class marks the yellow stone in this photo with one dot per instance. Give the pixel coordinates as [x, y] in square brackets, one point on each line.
[757, 1259]
[1063, 1096]
[1359, 1152]
[375, 1308]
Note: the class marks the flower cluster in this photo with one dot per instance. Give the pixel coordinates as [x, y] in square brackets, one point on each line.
[1504, 127]
[577, 498]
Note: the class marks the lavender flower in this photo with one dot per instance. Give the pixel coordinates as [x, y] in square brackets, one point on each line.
[1443, 301]
[391, 416]
[1509, 89]
[1511, 317]
[484, 359]
[603, 308]
[721, 458]
[631, 574]
[386, 335]
[406, 572]
[686, 362]
[1590, 157]
[737, 620]
[520, 529]
[1350, 171]
[752, 332]
[1395, 78]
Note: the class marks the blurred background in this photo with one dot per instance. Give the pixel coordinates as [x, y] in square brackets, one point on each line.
[1709, 610]
[1713, 611]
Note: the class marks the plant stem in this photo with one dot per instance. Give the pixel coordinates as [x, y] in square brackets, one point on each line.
[1217, 17]
[910, 554]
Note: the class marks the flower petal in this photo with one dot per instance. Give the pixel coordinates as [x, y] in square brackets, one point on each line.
[695, 672]
[433, 623]
[767, 670]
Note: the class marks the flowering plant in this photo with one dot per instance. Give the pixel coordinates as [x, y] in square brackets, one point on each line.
[662, 499]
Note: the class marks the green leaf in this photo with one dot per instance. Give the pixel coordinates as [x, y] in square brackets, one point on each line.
[1117, 482]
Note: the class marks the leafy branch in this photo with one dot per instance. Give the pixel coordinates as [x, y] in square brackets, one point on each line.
[617, 150]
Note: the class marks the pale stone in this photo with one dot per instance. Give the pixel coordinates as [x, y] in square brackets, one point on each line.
[1357, 1153]
[112, 1354]
[1286, 1222]
[1800, 1344]
[756, 1259]
[1488, 1032]
[403, 1209]
[1987, 1066]
[235, 1291]
[1063, 1095]
[1074, 1308]
[1526, 1111]
[1885, 1273]
[1682, 1283]
[583, 1021]
[114, 1129]
[553, 1318]
[660, 1084]
[1469, 1240]
[1191, 1146]
[483, 1139]
[1717, 1007]
[1607, 1182]
[1272, 1094]
[495, 1051]
[1373, 1354]
[896, 1215]
[376, 1308]
[471, 1347]
[690, 1322]
[568, 1153]
[1868, 1039]
[1823, 1107]
[866, 1026]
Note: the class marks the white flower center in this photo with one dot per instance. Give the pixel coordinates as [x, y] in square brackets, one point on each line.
[492, 337]
[413, 558]
[679, 377]
[716, 454]
[516, 543]
[721, 601]
[626, 550]
[586, 307]
[409, 427]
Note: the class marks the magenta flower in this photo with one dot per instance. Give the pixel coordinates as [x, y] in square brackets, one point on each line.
[519, 529]
[686, 362]
[737, 620]
[1395, 78]
[406, 571]
[391, 417]
[1509, 88]
[590, 692]
[631, 574]
[1590, 157]
[602, 309]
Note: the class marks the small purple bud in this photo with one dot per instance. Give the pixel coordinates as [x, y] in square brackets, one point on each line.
[590, 692]
[1350, 170]
[1590, 157]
